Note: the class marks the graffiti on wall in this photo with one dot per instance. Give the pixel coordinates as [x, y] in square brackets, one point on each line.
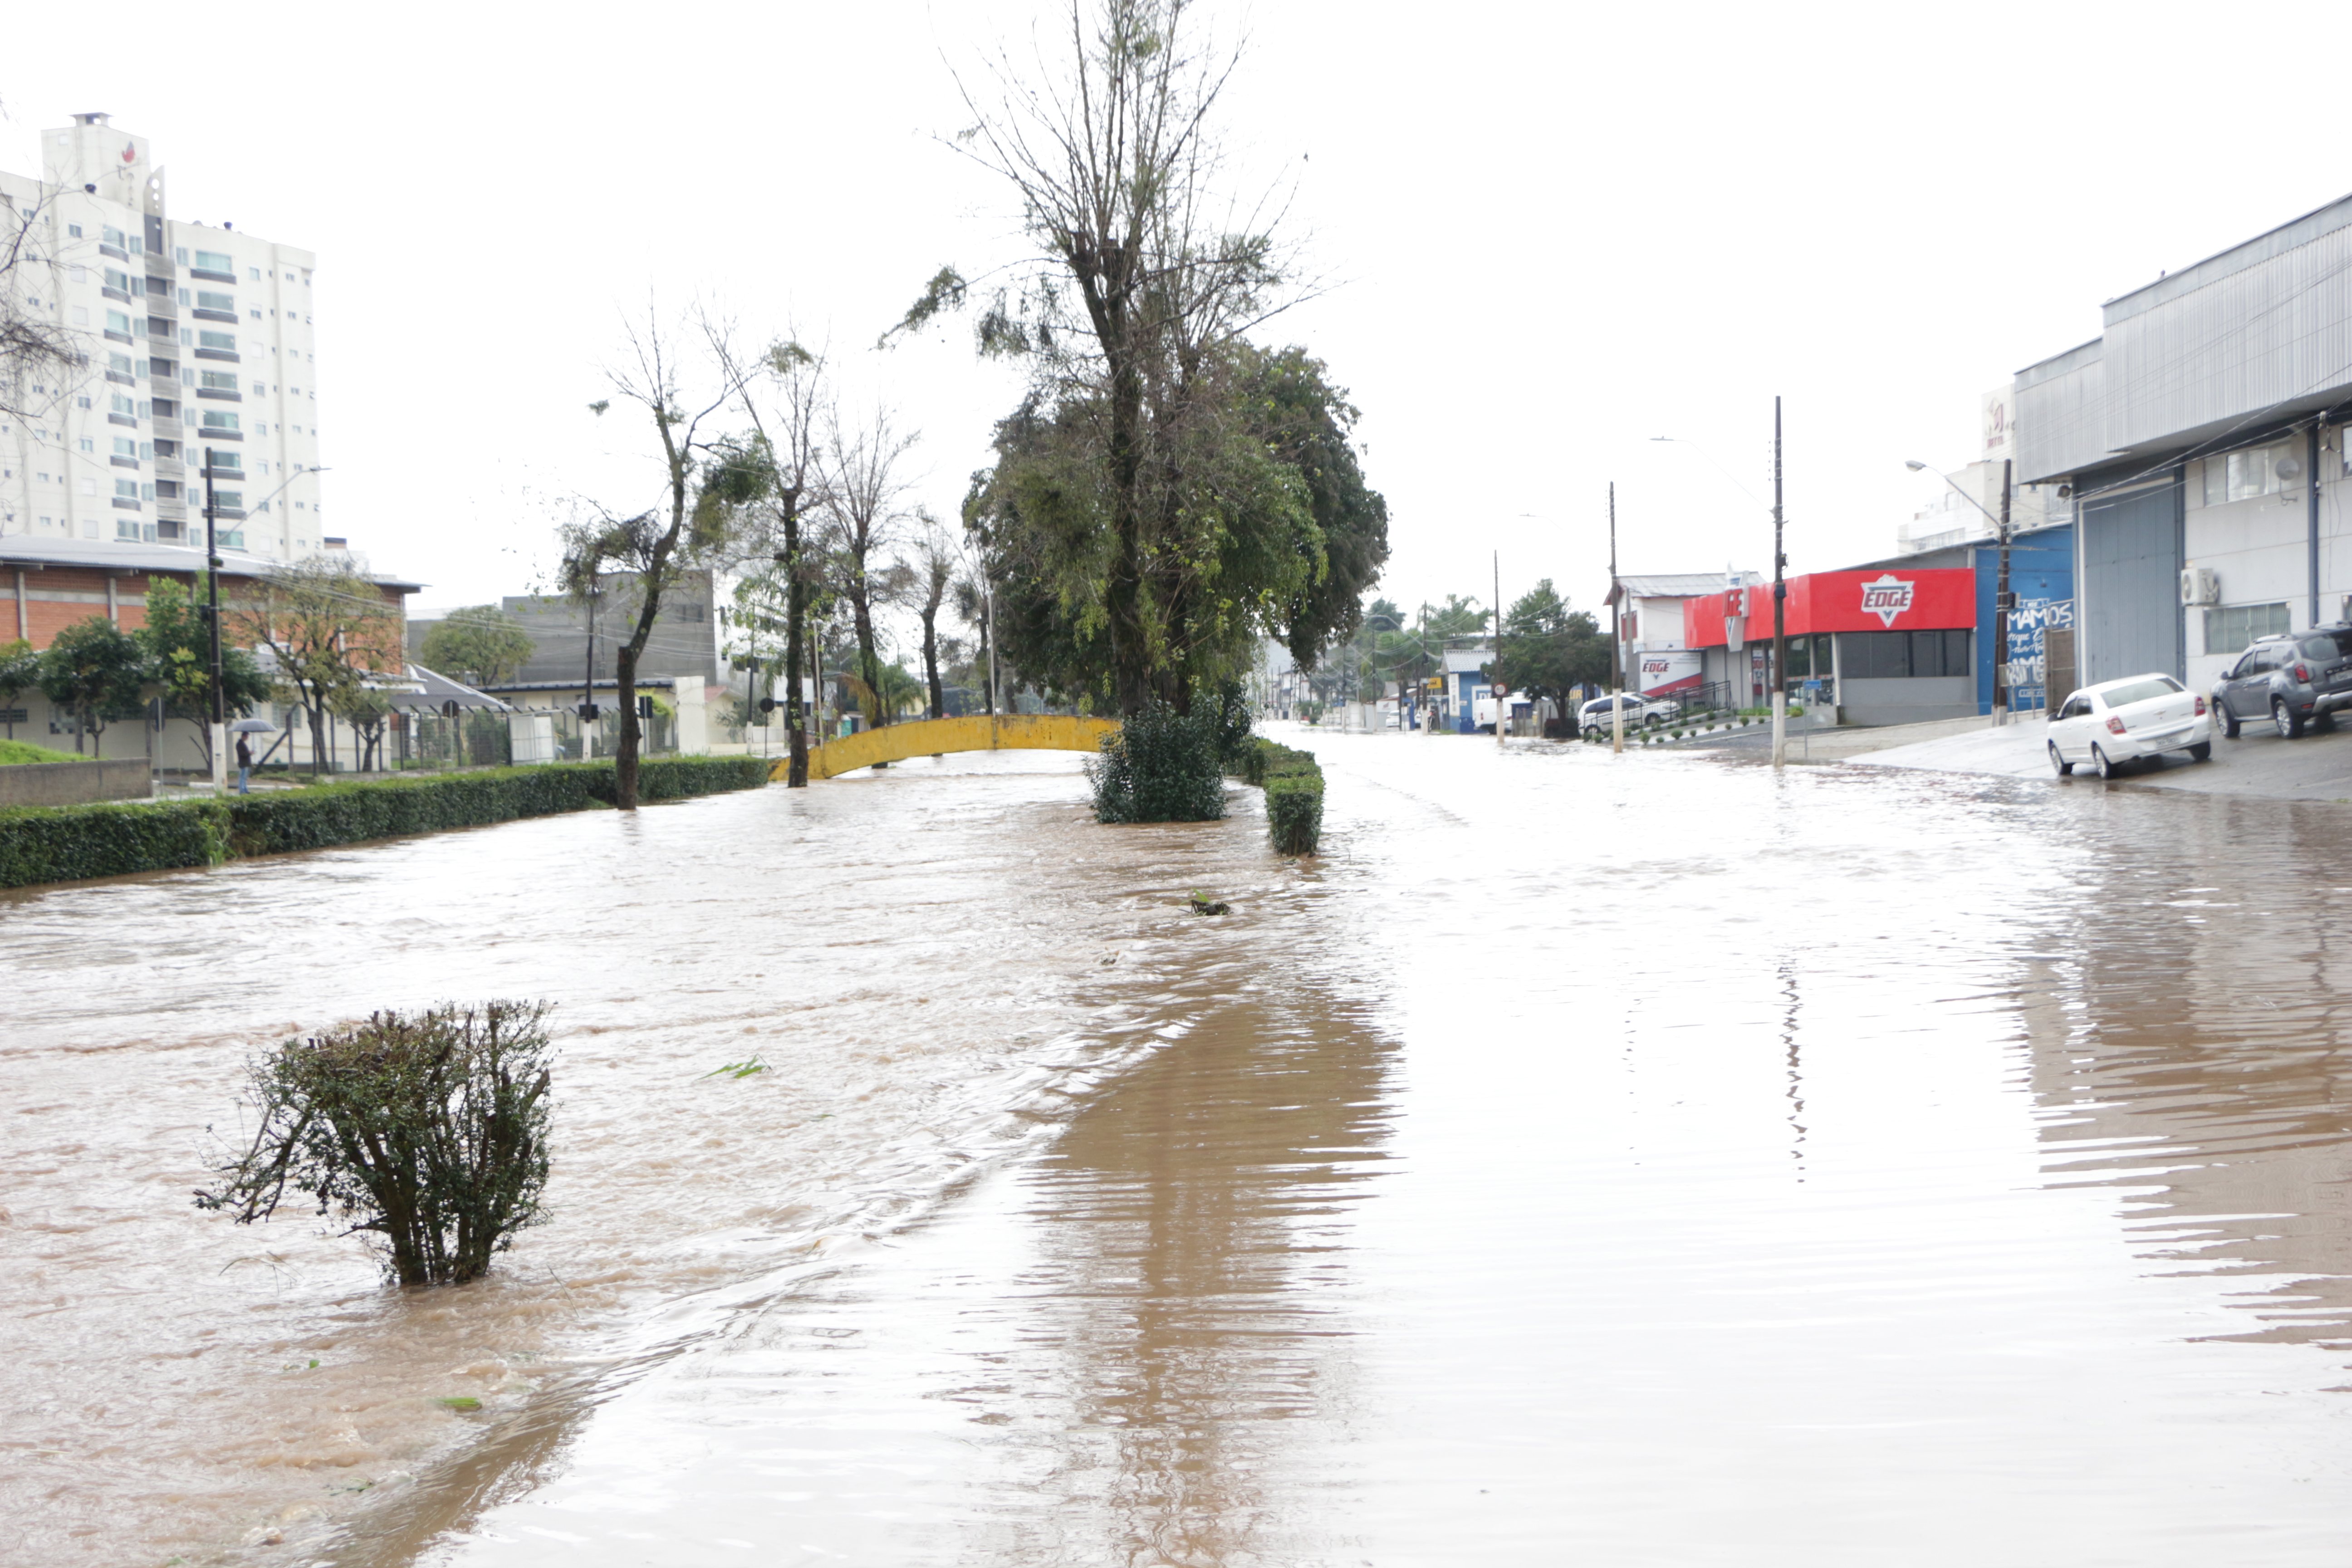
[2029, 668]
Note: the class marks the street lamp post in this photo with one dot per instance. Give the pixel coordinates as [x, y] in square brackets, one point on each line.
[2002, 602]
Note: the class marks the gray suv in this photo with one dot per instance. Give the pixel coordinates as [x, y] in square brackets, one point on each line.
[2296, 680]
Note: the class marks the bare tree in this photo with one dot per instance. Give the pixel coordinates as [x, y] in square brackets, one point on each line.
[929, 577]
[866, 487]
[1137, 287]
[702, 492]
[38, 355]
[327, 629]
[781, 396]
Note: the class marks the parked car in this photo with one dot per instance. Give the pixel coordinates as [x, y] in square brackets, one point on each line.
[2117, 721]
[2295, 680]
[1595, 715]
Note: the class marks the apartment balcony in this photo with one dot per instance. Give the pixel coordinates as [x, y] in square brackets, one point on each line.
[123, 419]
[123, 503]
[158, 327]
[228, 355]
[120, 379]
[219, 395]
[116, 251]
[212, 433]
[167, 430]
[202, 314]
[171, 467]
[211, 277]
[130, 463]
[114, 293]
[236, 474]
[114, 337]
[159, 298]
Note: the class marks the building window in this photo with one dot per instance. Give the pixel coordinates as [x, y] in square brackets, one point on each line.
[77, 274]
[214, 421]
[2243, 476]
[120, 405]
[215, 261]
[116, 321]
[208, 300]
[109, 236]
[257, 273]
[124, 446]
[229, 500]
[74, 229]
[2231, 627]
[180, 255]
[217, 380]
[80, 313]
[126, 490]
[120, 282]
[88, 445]
[1903, 656]
[216, 340]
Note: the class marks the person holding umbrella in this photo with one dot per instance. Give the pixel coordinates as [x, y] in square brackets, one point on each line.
[244, 766]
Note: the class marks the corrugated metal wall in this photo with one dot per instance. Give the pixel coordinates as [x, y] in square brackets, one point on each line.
[2062, 415]
[2273, 332]
[2128, 614]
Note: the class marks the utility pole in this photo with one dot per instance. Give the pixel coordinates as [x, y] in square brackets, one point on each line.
[212, 622]
[1616, 639]
[2000, 607]
[1494, 681]
[1779, 609]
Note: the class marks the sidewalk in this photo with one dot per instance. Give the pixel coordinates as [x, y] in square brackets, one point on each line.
[2317, 767]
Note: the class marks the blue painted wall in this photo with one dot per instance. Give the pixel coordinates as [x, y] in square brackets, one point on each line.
[2042, 575]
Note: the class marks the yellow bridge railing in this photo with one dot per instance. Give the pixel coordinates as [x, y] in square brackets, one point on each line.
[927, 737]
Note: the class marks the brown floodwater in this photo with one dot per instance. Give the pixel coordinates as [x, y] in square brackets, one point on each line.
[1641, 1160]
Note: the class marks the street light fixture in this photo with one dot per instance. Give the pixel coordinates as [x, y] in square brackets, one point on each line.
[2002, 600]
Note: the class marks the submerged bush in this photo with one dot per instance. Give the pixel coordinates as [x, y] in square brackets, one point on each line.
[1293, 793]
[1160, 766]
[429, 1130]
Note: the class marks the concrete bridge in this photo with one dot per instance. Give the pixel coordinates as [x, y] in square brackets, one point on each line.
[930, 737]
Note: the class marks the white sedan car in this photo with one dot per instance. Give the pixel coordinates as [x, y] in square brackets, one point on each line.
[2117, 721]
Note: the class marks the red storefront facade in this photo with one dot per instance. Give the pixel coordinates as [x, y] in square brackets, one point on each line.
[1886, 645]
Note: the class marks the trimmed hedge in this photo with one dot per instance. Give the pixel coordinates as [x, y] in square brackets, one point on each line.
[69, 843]
[1293, 793]
[58, 844]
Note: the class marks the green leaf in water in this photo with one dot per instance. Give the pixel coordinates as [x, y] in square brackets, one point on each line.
[462, 1402]
[737, 1070]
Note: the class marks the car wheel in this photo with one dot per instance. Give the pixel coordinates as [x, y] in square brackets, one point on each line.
[2229, 721]
[2202, 752]
[2102, 765]
[2059, 765]
[2289, 726]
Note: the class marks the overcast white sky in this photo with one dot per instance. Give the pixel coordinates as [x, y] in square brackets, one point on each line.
[1555, 232]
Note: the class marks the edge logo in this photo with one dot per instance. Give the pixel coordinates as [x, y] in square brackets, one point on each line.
[1886, 598]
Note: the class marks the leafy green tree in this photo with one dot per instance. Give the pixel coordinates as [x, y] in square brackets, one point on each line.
[179, 654]
[1147, 535]
[95, 671]
[20, 672]
[1457, 618]
[1307, 423]
[1547, 649]
[480, 642]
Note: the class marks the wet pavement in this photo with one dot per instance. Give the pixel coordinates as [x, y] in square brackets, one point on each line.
[1641, 1160]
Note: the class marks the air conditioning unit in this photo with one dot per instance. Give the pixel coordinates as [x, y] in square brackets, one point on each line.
[2200, 585]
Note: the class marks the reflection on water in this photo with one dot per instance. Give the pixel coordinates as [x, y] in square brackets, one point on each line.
[1634, 1161]
[2191, 1050]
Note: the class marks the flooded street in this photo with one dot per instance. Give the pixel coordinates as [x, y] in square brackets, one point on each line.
[1634, 1161]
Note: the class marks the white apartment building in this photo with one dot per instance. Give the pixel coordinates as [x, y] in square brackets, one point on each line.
[198, 337]
[1963, 509]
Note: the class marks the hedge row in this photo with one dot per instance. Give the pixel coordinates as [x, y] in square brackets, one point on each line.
[1293, 793]
[66, 843]
[56, 844]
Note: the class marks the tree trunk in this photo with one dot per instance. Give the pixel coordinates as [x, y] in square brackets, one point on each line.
[931, 662]
[625, 765]
[869, 662]
[318, 716]
[795, 617]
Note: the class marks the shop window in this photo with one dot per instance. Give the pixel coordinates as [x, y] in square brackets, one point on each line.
[1905, 656]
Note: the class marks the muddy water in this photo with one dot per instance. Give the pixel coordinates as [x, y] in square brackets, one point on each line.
[1637, 1161]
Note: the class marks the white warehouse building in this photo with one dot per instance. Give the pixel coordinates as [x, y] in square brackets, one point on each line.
[197, 337]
